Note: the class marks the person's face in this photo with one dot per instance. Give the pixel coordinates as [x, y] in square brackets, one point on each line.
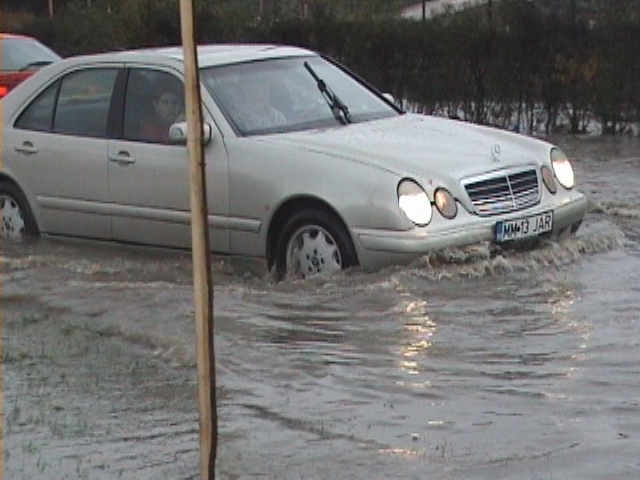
[168, 107]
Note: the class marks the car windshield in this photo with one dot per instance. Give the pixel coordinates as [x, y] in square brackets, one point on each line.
[19, 54]
[283, 95]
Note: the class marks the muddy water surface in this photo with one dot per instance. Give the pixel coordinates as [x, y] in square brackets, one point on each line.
[462, 365]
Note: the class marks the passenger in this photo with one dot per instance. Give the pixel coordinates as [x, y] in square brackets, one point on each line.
[234, 102]
[167, 110]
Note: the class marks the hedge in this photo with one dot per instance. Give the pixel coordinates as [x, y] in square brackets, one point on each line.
[519, 69]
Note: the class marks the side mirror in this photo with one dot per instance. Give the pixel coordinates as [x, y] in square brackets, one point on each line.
[178, 133]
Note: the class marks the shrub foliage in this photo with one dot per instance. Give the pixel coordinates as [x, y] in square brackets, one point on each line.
[516, 65]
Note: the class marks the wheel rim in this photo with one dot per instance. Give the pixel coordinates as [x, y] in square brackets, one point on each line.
[13, 225]
[312, 251]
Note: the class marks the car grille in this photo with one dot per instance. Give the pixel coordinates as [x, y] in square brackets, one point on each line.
[504, 191]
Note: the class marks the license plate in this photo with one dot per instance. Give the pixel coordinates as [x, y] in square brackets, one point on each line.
[524, 227]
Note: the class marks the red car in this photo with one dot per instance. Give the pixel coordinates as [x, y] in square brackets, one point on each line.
[21, 56]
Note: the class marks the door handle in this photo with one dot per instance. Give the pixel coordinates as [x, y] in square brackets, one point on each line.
[122, 158]
[26, 148]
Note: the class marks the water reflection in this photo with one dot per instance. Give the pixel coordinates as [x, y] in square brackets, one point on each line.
[419, 333]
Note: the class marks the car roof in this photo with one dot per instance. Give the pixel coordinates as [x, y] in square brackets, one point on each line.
[208, 55]
[4, 36]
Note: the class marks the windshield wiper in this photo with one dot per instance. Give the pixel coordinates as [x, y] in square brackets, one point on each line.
[336, 105]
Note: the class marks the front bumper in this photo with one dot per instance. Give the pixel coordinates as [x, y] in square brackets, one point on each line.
[380, 248]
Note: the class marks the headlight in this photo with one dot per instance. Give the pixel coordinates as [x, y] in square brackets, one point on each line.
[562, 168]
[413, 201]
[445, 203]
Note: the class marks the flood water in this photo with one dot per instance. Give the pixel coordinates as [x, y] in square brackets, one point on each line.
[463, 365]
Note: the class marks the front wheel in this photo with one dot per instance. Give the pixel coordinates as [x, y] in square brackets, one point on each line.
[313, 242]
[16, 220]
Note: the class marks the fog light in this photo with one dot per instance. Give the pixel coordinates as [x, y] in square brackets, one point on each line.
[549, 181]
[446, 204]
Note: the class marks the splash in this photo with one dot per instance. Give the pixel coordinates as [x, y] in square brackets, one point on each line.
[623, 211]
[486, 261]
[629, 209]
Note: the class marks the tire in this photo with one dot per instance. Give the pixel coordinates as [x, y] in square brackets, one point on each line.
[313, 242]
[16, 219]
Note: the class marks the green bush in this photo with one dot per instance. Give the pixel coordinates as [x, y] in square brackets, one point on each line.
[516, 65]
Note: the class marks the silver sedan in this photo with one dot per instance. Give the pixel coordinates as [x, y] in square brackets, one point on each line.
[309, 169]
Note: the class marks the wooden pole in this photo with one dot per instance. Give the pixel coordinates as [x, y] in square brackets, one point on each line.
[2, 432]
[202, 276]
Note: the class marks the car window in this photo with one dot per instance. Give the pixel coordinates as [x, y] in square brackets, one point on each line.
[154, 100]
[39, 114]
[19, 54]
[280, 95]
[83, 102]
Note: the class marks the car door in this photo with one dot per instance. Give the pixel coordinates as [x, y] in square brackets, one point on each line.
[149, 178]
[59, 143]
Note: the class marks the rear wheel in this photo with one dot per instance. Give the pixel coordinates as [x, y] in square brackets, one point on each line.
[16, 220]
[313, 242]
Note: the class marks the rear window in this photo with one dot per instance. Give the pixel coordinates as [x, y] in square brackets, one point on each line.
[22, 54]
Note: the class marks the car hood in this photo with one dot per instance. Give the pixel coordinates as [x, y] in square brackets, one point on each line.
[421, 145]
